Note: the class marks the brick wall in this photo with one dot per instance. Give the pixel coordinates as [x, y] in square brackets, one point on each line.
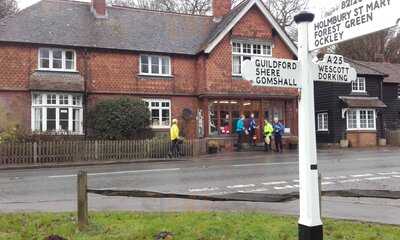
[219, 63]
[15, 110]
[118, 72]
[362, 139]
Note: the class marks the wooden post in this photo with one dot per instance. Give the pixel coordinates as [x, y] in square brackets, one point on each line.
[35, 152]
[82, 200]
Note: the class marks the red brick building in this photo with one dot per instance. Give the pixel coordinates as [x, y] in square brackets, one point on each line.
[59, 57]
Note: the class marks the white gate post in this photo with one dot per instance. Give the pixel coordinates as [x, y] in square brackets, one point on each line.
[310, 224]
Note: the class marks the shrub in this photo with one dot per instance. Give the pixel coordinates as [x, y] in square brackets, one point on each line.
[123, 118]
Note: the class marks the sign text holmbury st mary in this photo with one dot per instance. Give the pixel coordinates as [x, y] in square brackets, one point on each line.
[353, 19]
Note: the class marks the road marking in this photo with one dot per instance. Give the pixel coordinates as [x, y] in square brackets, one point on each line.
[396, 176]
[351, 180]
[274, 183]
[362, 175]
[241, 186]
[264, 164]
[207, 189]
[388, 173]
[377, 178]
[284, 187]
[327, 183]
[253, 190]
[296, 180]
[334, 178]
[117, 173]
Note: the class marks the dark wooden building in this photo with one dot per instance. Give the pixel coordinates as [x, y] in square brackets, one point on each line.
[351, 111]
[391, 92]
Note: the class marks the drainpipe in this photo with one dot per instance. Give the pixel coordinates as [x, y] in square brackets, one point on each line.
[85, 94]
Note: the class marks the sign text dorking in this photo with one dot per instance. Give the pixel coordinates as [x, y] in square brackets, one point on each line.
[271, 72]
[334, 69]
[353, 19]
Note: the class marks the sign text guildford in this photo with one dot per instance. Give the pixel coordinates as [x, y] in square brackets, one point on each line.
[270, 72]
[353, 19]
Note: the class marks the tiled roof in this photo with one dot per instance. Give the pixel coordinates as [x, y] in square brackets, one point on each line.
[391, 69]
[363, 102]
[363, 69]
[69, 23]
[56, 81]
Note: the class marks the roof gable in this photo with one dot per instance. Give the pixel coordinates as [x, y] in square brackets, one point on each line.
[229, 21]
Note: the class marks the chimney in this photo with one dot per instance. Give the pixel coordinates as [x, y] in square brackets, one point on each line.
[99, 8]
[221, 8]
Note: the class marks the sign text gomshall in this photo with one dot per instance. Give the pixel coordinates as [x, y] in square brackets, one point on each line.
[268, 72]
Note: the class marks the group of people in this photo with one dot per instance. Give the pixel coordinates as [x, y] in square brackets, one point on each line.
[276, 130]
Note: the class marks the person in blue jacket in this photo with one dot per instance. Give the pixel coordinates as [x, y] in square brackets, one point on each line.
[240, 130]
[279, 130]
[252, 130]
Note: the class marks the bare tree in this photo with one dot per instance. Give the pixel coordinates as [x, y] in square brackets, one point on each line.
[380, 46]
[8, 7]
[181, 6]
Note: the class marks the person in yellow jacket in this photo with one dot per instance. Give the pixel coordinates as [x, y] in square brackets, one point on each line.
[268, 130]
[174, 134]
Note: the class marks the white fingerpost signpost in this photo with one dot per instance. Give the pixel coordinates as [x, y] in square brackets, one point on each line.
[310, 224]
[354, 18]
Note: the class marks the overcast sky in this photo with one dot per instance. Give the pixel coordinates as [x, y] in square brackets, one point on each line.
[313, 5]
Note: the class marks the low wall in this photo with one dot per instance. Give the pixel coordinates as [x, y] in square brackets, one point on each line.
[362, 139]
[393, 137]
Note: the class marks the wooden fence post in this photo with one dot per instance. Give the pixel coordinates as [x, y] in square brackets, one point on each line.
[82, 200]
[35, 152]
[96, 150]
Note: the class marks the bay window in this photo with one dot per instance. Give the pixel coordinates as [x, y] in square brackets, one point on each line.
[57, 113]
[242, 51]
[160, 112]
[155, 65]
[57, 59]
[361, 119]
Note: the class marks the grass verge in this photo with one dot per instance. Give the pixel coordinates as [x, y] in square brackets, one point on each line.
[197, 226]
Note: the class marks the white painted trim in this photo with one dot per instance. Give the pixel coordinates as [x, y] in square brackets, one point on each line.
[63, 60]
[44, 106]
[159, 65]
[325, 128]
[269, 17]
[358, 118]
[358, 85]
[149, 101]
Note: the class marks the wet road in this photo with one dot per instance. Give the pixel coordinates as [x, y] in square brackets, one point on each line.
[54, 189]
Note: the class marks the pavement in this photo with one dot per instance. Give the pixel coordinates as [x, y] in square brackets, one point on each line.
[54, 189]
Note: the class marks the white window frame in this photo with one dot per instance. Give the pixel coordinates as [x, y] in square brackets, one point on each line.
[160, 108]
[63, 60]
[160, 57]
[243, 55]
[324, 118]
[357, 84]
[398, 91]
[44, 106]
[358, 118]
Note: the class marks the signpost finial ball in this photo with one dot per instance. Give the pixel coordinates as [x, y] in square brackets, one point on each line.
[304, 16]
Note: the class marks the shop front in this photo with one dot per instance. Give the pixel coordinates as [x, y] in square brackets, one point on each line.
[222, 115]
